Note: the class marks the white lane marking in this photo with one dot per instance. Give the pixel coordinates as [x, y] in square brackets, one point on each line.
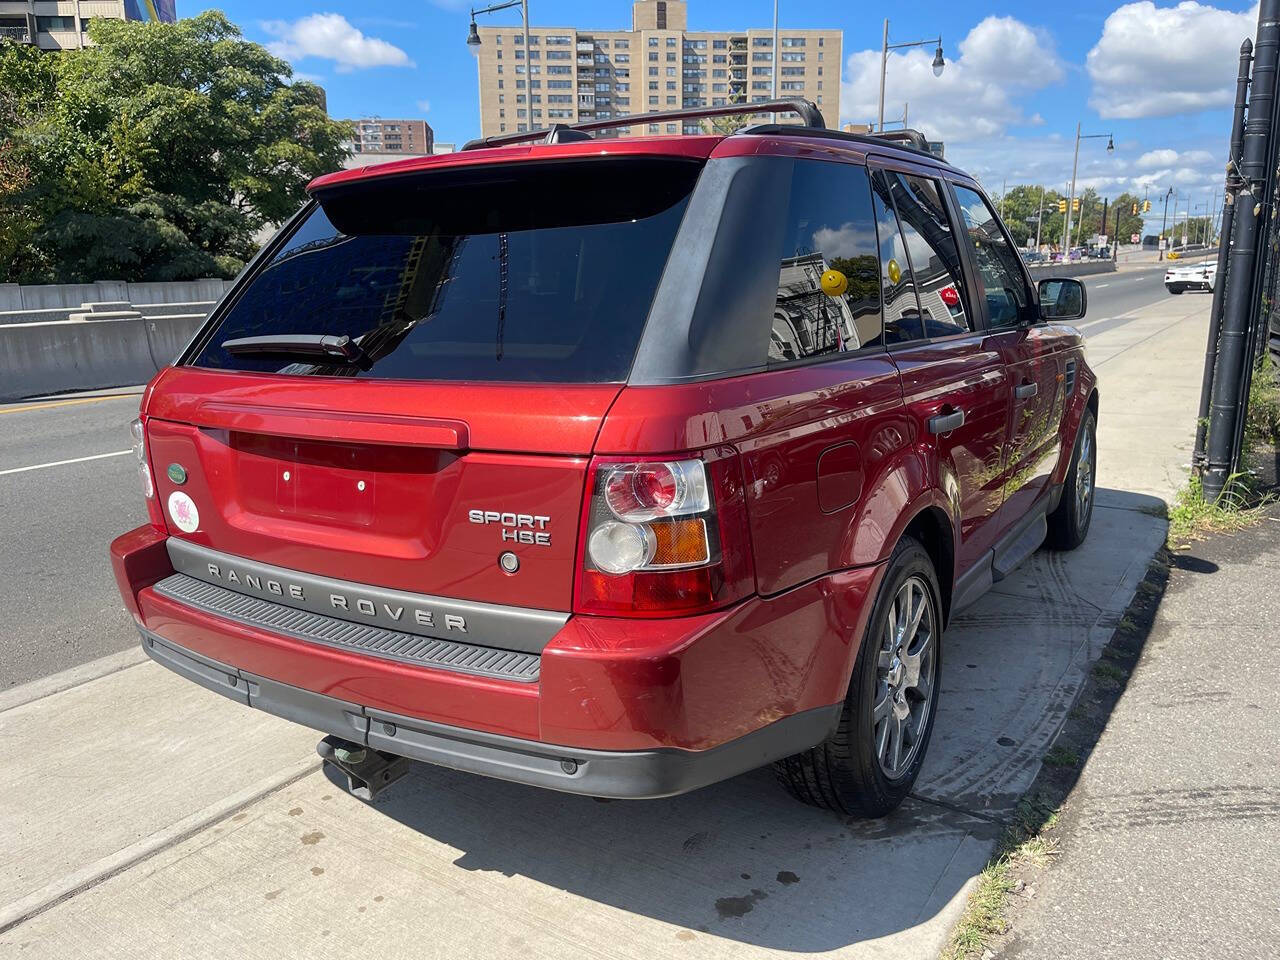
[60, 463]
[1099, 286]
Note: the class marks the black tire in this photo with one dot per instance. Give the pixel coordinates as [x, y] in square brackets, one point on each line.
[844, 772]
[1175, 290]
[1069, 523]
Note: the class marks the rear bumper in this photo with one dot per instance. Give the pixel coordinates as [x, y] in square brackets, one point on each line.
[612, 686]
[634, 774]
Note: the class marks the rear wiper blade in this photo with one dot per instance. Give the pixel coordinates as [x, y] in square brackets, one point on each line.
[325, 347]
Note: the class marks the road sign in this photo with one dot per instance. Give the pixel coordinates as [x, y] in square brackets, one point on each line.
[1134, 238]
[1164, 244]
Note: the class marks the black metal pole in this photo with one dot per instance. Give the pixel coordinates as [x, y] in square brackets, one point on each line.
[1224, 249]
[1225, 412]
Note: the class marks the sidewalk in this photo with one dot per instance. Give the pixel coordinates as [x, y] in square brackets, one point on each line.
[1171, 839]
[149, 817]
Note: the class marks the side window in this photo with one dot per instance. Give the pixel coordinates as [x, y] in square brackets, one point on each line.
[828, 279]
[935, 259]
[1008, 301]
[898, 289]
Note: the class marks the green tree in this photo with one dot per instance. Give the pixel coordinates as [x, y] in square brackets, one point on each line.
[156, 153]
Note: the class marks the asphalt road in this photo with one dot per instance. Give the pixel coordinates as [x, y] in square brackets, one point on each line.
[68, 486]
[58, 596]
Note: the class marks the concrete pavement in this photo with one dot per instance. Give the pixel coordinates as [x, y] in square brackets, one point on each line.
[1169, 840]
[152, 817]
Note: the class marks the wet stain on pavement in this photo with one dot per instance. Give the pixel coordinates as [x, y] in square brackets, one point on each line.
[311, 839]
[733, 907]
[786, 877]
[296, 811]
[1006, 741]
[272, 894]
[316, 871]
[685, 935]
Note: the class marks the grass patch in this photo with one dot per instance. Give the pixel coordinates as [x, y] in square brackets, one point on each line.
[1193, 517]
[1062, 757]
[1025, 841]
[1108, 671]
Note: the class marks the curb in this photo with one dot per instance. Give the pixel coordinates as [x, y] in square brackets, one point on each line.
[74, 677]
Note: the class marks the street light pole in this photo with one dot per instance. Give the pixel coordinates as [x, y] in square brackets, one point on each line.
[1075, 164]
[885, 47]
[777, 59]
[473, 41]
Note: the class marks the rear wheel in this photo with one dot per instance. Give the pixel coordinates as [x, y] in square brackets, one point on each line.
[1069, 523]
[868, 765]
[1175, 289]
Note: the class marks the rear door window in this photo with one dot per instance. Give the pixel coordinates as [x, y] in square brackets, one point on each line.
[530, 273]
[935, 259]
[828, 279]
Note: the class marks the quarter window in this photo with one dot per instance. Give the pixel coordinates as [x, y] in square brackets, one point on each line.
[828, 298]
[1008, 302]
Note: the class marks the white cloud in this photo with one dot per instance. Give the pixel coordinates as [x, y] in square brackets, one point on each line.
[329, 36]
[1000, 60]
[1156, 158]
[1154, 62]
[424, 106]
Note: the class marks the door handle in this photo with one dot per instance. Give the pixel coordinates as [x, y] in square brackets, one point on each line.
[946, 422]
[1025, 391]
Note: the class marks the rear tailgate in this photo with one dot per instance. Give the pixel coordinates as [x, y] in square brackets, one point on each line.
[335, 478]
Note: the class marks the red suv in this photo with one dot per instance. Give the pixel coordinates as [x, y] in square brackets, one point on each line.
[614, 466]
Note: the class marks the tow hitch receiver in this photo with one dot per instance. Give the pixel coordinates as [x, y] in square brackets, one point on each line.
[368, 772]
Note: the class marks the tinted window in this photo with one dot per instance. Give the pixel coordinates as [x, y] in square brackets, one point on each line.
[901, 308]
[935, 259]
[1008, 302]
[491, 275]
[828, 281]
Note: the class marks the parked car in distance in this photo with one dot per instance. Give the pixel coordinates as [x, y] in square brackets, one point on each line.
[1191, 276]
[617, 466]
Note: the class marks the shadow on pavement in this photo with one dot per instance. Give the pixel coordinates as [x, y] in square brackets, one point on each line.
[742, 861]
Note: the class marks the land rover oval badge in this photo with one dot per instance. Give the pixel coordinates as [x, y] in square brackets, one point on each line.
[177, 474]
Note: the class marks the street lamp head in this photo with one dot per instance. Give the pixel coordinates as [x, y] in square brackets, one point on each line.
[938, 62]
[473, 38]
[1111, 144]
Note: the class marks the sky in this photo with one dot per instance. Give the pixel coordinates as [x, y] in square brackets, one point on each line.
[1158, 76]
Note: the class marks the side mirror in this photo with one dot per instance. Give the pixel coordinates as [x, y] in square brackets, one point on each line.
[1062, 298]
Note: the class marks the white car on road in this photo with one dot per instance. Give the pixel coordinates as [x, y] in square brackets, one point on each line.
[1191, 276]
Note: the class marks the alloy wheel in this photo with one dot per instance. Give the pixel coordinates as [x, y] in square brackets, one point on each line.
[1084, 478]
[905, 675]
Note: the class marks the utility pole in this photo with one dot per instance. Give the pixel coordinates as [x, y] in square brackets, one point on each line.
[1075, 165]
[1165, 219]
[1225, 408]
[1232, 184]
[938, 64]
[1039, 219]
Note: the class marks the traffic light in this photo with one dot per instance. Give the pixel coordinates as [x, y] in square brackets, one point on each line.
[1146, 206]
[1134, 211]
[1075, 204]
[1062, 206]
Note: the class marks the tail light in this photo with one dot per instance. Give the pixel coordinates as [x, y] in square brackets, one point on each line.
[663, 536]
[137, 431]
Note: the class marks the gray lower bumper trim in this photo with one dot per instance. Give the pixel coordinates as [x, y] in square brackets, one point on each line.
[361, 638]
[638, 774]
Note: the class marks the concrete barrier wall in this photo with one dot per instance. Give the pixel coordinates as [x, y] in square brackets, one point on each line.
[14, 297]
[1083, 268]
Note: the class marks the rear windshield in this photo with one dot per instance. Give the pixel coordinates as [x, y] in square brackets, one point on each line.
[531, 273]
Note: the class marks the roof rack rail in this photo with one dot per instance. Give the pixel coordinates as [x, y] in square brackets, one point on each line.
[913, 138]
[808, 112]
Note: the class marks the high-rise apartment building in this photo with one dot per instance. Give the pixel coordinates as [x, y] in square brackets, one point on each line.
[64, 25]
[376, 135]
[574, 75]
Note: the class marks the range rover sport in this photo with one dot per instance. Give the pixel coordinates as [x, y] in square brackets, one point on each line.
[614, 466]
